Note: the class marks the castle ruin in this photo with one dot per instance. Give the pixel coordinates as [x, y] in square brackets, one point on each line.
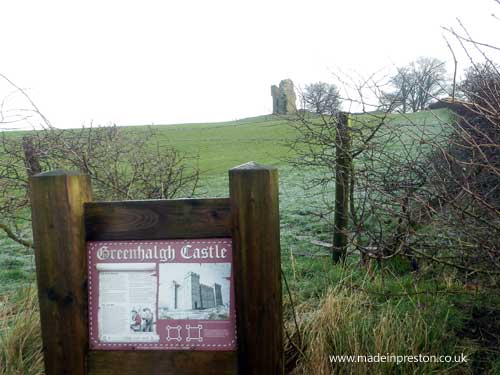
[190, 294]
[284, 98]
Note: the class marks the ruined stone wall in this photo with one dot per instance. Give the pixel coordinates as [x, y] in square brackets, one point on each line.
[184, 295]
[191, 294]
[275, 93]
[218, 295]
[207, 296]
[284, 98]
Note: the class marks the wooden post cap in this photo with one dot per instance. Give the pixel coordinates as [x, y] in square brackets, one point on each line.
[251, 165]
[59, 172]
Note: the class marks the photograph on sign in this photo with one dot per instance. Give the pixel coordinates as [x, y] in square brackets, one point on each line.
[194, 291]
[166, 295]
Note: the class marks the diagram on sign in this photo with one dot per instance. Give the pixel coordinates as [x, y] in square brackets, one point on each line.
[194, 333]
[174, 333]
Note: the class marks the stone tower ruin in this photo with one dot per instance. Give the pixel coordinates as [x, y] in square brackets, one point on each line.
[218, 295]
[284, 98]
[191, 294]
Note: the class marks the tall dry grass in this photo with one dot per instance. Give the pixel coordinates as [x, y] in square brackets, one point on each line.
[350, 323]
[344, 321]
[20, 334]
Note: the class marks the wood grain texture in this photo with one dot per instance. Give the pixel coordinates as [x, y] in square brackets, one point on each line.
[158, 219]
[164, 363]
[257, 269]
[57, 200]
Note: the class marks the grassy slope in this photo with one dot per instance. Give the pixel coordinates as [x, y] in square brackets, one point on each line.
[221, 146]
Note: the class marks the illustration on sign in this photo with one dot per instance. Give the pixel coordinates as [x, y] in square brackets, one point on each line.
[161, 295]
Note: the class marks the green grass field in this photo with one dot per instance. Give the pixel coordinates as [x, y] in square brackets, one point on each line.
[223, 145]
[387, 311]
[217, 147]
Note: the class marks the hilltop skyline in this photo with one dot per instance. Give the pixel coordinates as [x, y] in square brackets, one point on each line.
[158, 63]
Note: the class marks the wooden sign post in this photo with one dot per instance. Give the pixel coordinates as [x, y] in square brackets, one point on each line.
[67, 223]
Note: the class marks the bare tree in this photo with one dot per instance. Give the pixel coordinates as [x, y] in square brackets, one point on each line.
[416, 85]
[403, 84]
[426, 192]
[321, 98]
[332, 141]
[122, 163]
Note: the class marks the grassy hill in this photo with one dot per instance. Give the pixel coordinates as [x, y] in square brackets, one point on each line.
[223, 145]
[218, 147]
[338, 309]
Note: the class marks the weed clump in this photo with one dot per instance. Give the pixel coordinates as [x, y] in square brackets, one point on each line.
[20, 334]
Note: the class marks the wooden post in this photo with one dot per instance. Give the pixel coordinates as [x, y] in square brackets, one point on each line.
[343, 167]
[257, 268]
[57, 200]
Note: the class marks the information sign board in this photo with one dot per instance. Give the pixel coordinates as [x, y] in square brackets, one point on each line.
[161, 295]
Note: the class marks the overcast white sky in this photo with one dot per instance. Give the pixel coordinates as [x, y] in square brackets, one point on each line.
[143, 62]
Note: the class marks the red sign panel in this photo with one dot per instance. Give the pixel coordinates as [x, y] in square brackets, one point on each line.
[163, 295]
